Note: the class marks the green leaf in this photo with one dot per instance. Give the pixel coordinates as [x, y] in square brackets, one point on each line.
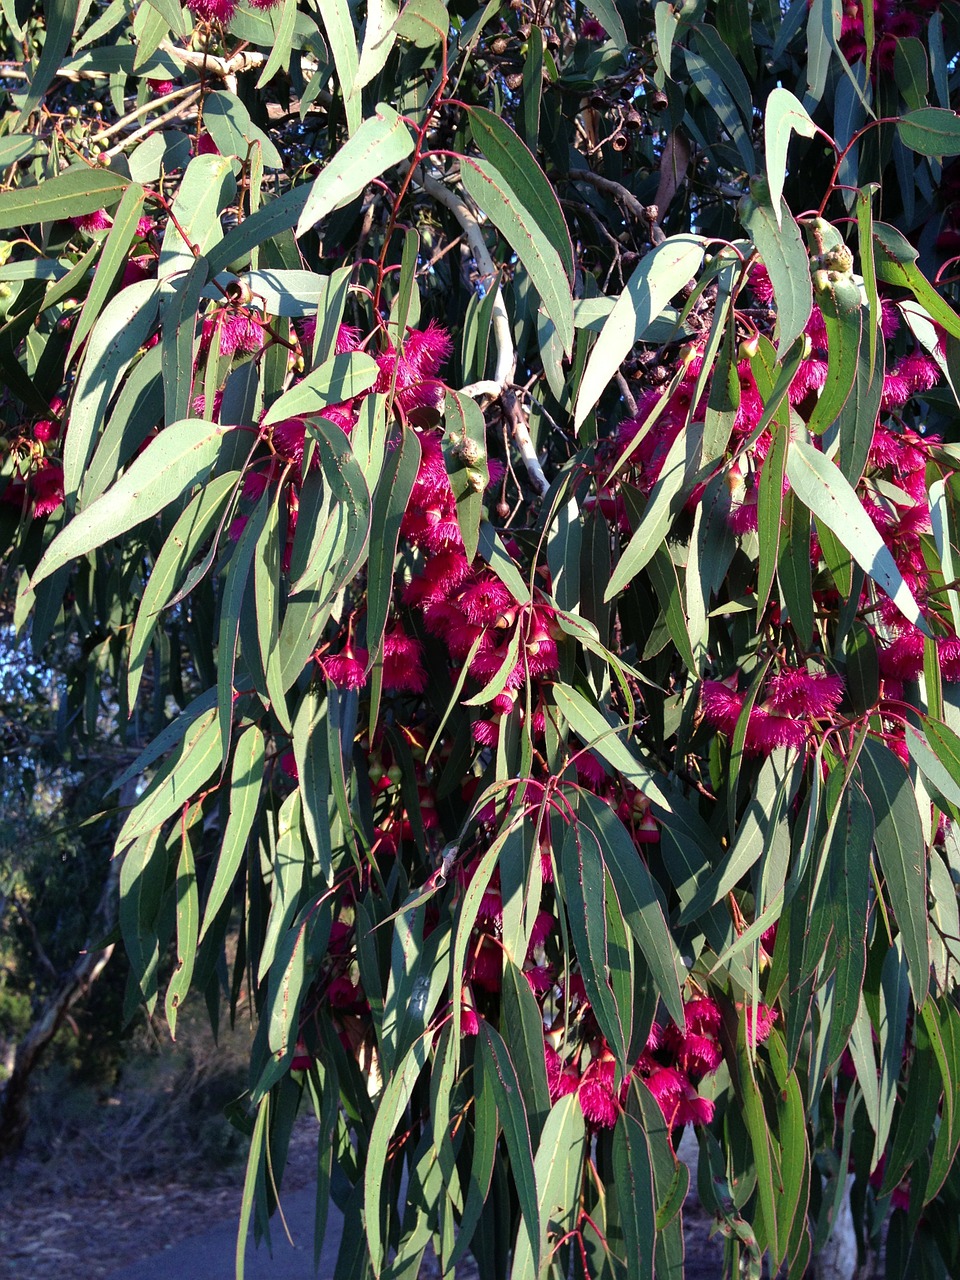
[423, 22]
[390, 499]
[665, 501]
[179, 340]
[640, 899]
[522, 1025]
[136, 412]
[896, 263]
[464, 422]
[186, 537]
[206, 188]
[246, 780]
[839, 303]
[520, 227]
[558, 1170]
[338, 25]
[902, 853]
[931, 131]
[112, 260]
[379, 37]
[633, 1179]
[497, 1065]
[517, 165]
[337, 379]
[59, 19]
[783, 113]
[584, 891]
[711, 83]
[282, 46]
[778, 240]
[382, 141]
[177, 781]
[943, 1025]
[124, 325]
[178, 458]
[313, 768]
[188, 917]
[231, 609]
[70, 194]
[274, 218]
[16, 146]
[820, 486]
[659, 276]
[228, 122]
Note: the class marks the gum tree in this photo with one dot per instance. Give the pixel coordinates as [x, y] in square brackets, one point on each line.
[502, 460]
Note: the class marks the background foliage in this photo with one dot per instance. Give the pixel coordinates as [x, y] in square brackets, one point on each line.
[503, 458]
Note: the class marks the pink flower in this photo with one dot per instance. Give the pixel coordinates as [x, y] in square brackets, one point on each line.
[402, 662]
[486, 600]
[543, 926]
[46, 431]
[562, 1077]
[721, 705]
[239, 332]
[677, 1099]
[99, 220]
[766, 731]
[160, 87]
[596, 1096]
[766, 1017]
[347, 670]
[590, 29]
[212, 10]
[46, 487]
[416, 366]
[798, 692]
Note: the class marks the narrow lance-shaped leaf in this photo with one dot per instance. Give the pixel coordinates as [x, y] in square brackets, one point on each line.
[505, 208]
[777, 237]
[112, 260]
[179, 457]
[510, 156]
[382, 141]
[659, 276]
[901, 852]
[124, 325]
[821, 487]
[784, 113]
[245, 782]
[186, 537]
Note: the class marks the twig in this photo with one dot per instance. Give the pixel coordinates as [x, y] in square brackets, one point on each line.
[626, 393]
[506, 353]
[153, 105]
[521, 438]
[184, 105]
[648, 215]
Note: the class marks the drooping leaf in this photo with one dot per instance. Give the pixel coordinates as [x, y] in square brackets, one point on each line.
[518, 167]
[821, 487]
[382, 141]
[784, 114]
[522, 229]
[901, 851]
[659, 276]
[178, 458]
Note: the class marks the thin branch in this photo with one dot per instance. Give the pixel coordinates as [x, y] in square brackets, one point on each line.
[521, 438]
[177, 110]
[647, 214]
[506, 353]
